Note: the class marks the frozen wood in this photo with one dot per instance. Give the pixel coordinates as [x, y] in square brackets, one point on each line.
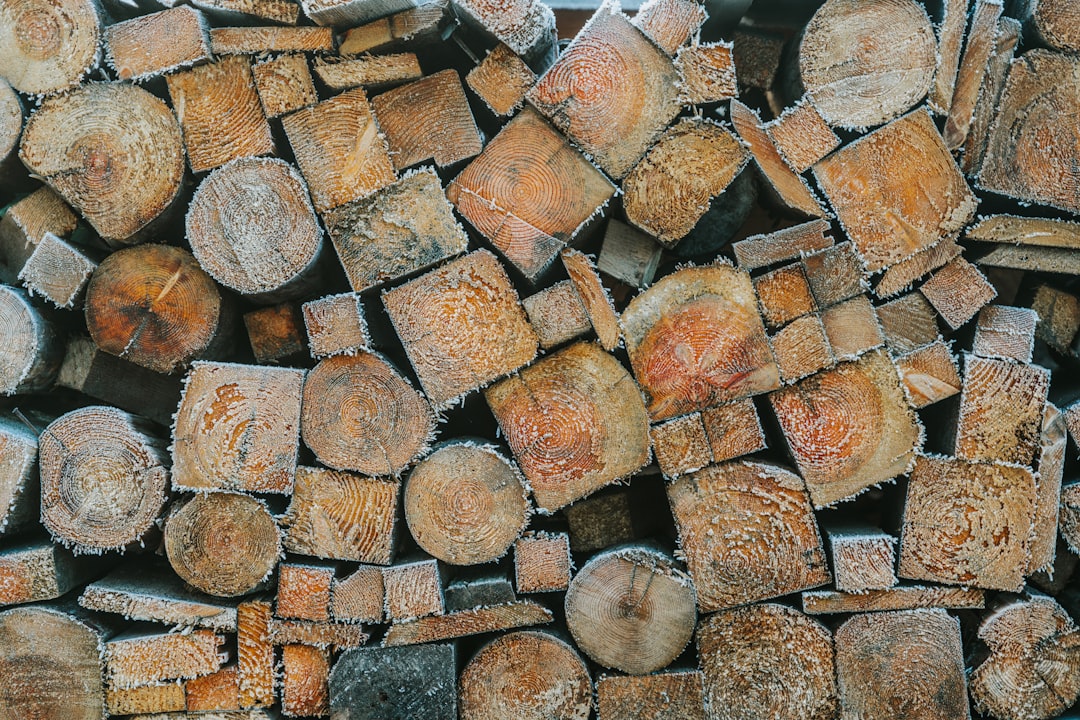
[929, 374]
[163, 698]
[153, 305]
[788, 656]
[275, 333]
[1069, 510]
[900, 276]
[1054, 22]
[359, 597]
[629, 100]
[11, 124]
[1034, 258]
[351, 12]
[967, 523]
[157, 43]
[600, 521]
[462, 326]
[131, 132]
[303, 591]
[219, 691]
[237, 428]
[255, 665]
[977, 53]
[1005, 42]
[224, 544]
[466, 504]
[304, 673]
[852, 328]
[476, 592]
[284, 84]
[670, 23]
[258, 40]
[865, 63]
[341, 516]
[336, 325]
[525, 26]
[1059, 317]
[31, 571]
[1027, 231]
[757, 56]
[57, 272]
[323, 135]
[542, 562]
[909, 323]
[733, 429]
[320, 634]
[594, 297]
[413, 590]
[950, 35]
[771, 545]
[359, 413]
[496, 618]
[155, 594]
[1004, 332]
[19, 490]
[629, 255]
[278, 12]
[557, 678]
[706, 71]
[678, 694]
[835, 273]
[592, 427]
[414, 27]
[30, 358]
[801, 349]
[49, 46]
[144, 656]
[374, 72]
[501, 80]
[909, 659]
[863, 558]
[1051, 466]
[1001, 410]
[681, 445]
[374, 683]
[802, 136]
[25, 223]
[557, 314]
[958, 291]
[546, 201]
[848, 428]
[900, 597]
[760, 251]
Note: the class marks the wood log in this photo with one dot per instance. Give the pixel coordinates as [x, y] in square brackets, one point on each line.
[958, 291]
[852, 328]
[360, 596]
[373, 72]
[501, 81]
[863, 558]
[556, 677]
[382, 682]
[1053, 23]
[259, 40]
[163, 698]
[629, 255]
[276, 333]
[677, 694]
[359, 413]
[767, 661]
[967, 523]
[414, 589]
[57, 272]
[594, 297]
[30, 360]
[496, 618]
[1059, 317]
[465, 503]
[1051, 468]
[462, 326]
[414, 27]
[1005, 42]
[1006, 333]
[142, 655]
[681, 445]
[323, 134]
[900, 276]
[158, 43]
[758, 251]
[670, 23]
[1012, 229]
[219, 691]
[324, 635]
[525, 26]
[350, 12]
[111, 151]
[801, 349]
[907, 661]
[154, 306]
[336, 325]
[254, 654]
[950, 36]
[284, 84]
[900, 597]
[224, 544]
[11, 125]
[802, 135]
[304, 688]
[835, 273]
[706, 71]
[768, 518]
[104, 479]
[592, 431]
[49, 47]
[303, 591]
[20, 502]
[733, 429]
[557, 314]
[278, 12]
[600, 521]
[1001, 411]
[35, 570]
[25, 223]
[608, 116]
[530, 193]
[1038, 259]
[542, 562]
[929, 374]
[977, 53]
[478, 592]
[757, 54]
[909, 323]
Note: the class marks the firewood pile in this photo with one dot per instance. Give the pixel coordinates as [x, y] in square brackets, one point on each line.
[374, 359]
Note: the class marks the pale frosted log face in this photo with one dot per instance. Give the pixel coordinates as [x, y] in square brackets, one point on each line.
[49, 44]
[24, 358]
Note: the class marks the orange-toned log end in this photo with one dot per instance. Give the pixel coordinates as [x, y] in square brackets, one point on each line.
[304, 673]
[112, 151]
[466, 504]
[255, 664]
[802, 136]
[284, 84]
[770, 661]
[910, 659]
[219, 691]
[360, 414]
[707, 73]
[594, 297]
[462, 326]
[154, 306]
[529, 192]
[275, 333]
[748, 533]
[1057, 23]
[968, 523]
[670, 189]
[849, 428]
[674, 694]
[574, 421]
[48, 45]
[224, 544]
[501, 80]
[527, 675]
[670, 23]
[631, 609]
[360, 596]
[157, 43]
[303, 591]
[144, 656]
[103, 478]
[542, 562]
[695, 340]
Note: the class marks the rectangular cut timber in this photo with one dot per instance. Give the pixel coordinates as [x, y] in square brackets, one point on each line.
[25, 222]
[670, 23]
[415, 27]
[802, 136]
[1001, 410]
[909, 322]
[20, 504]
[38, 570]
[359, 597]
[862, 559]
[884, 216]
[349, 13]
[757, 57]
[1061, 261]
[565, 192]
[462, 326]
[321, 634]
[900, 276]
[284, 84]
[679, 694]
[259, 40]
[413, 590]
[219, 111]
[162, 698]
[852, 328]
[526, 26]
[278, 12]
[1005, 332]
[255, 654]
[374, 72]
[681, 445]
[957, 291]
[835, 274]
[706, 73]
[977, 53]
[784, 294]
[147, 656]
[57, 272]
[967, 523]
[901, 597]
[405, 227]
[950, 40]
[929, 374]
[418, 682]
[336, 325]
[557, 314]
[501, 80]
[542, 562]
[733, 429]
[1059, 317]
[872, 434]
[275, 333]
[218, 691]
[618, 123]
[802, 349]
[600, 521]
[1016, 230]
[628, 254]
[157, 43]
[339, 149]
[304, 673]
[782, 245]
[471, 594]
[1051, 467]
[1005, 43]
[497, 618]
[303, 591]
[342, 516]
[157, 594]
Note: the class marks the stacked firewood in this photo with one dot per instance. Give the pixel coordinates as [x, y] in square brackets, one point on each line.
[374, 359]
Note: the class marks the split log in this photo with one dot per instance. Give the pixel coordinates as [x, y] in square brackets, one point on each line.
[909, 323]
[39, 570]
[465, 503]
[284, 84]
[957, 291]
[154, 306]
[375, 683]
[525, 26]
[57, 272]
[530, 193]
[259, 40]
[733, 429]
[414, 589]
[629, 255]
[30, 359]
[23, 225]
[501, 81]
[706, 71]
[478, 592]
[1001, 410]
[852, 328]
[104, 479]
[681, 445]
[1005, 43]
[1037, 259]
[1027, 231]
[359, 413]
[158, 43]
[219, 691]
[336, 325]
[163, 698]
[801, 349]
[631, 609]
[112, 151]
[907, 661]
[556, 677]
[572, 424]
[142, 655]
[303, 591]
[670, 23]
[304, 688]
[862, 559]
[769, 544]
[462, 325]
[255, 664]
[496, 618]
[1059, 317]
[1051, 466]
[324, 635]
[678, 694]
[414, 27]
[950, 35]
[929, 374]
[373, 72]
[276, 333]
[49, 47]
[20, 503]
[900, 597]
[360, 596]
[557, 314]
[224, 544]
[278, 12]
[901, 275]
[1069, 510]
[760, 251]
[835, 273]
[978, 50]
[350, 12]
[1006, 333]
[802, 135]
[1053, 22]
[542, 562]
[767, 661]
[594, 297]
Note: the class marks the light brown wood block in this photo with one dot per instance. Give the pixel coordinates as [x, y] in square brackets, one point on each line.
[1006, 41]
[681, 445]
[359, 597]
[526, 26]
[909, 323]
[852, 328]
[284, 84]
[303, 591]
[835, 274]
[958, 291]
[594, 297]
[1005, 333]
[802, 349]
[900, 276]
[496, 618]
[1016, 230]
[802, 136]
[274, 39]
[950, 35]
[733, 429]
[274, 12]
[25, 222]
[336, 325]
[156, 594]
[542, 562]
[706, 72]
[671, 694]
[374, 72]
[929, 374]
[670, 23]
[219, 691]
[304, 673]
[145, 656]
[254, 654]
[863, 559]
[157, 43]
[275, 333]
[414, 589]
[1051, 467]
[413, 27]
[900, 597]
[501, 80]
[163, 698]
[557, 314]
[57, 272]
[758, 251]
